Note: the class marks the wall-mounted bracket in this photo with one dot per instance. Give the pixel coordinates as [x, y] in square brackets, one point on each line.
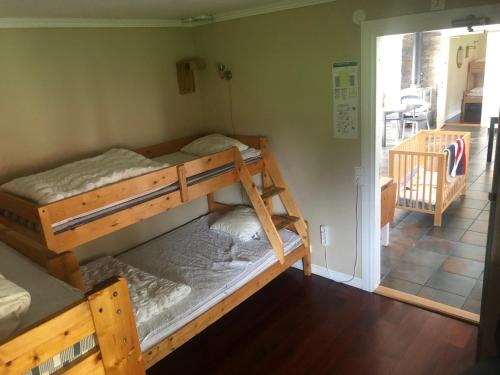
[185, 73]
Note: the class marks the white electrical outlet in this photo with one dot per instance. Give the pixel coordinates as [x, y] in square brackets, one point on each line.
[323, 229]
[438, 4]
[358, 175]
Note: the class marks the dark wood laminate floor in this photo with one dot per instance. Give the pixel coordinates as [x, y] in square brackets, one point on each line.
[299, 325]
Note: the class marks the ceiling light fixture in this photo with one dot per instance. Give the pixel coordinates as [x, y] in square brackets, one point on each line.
[201, 18]
[470, 21]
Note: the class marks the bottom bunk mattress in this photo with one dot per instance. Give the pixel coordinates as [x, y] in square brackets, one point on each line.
[213, 264]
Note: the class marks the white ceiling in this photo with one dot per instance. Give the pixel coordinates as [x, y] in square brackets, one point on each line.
[135, 9]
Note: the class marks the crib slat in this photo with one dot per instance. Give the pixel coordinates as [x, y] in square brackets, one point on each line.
[425, 175]
[411, 181]
[418, 184]
[430, 182]
[405, 179]
[399, 178]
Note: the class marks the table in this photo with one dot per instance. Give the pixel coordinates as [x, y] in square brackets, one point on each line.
[387, 207]
[491, 136]
[400, 109]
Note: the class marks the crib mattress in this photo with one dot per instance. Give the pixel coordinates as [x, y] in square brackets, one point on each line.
[213, 264]
[250, 156]
[408, 196]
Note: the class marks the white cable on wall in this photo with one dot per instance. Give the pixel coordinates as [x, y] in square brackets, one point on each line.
[356, 248]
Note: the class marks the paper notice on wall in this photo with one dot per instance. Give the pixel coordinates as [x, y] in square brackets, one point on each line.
[345, 100]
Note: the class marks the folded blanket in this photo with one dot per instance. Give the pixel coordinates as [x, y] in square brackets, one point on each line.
[82, 176]
[150, 295]
[14, 302]
[456, 159]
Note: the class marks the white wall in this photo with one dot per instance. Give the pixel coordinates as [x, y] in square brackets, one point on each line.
[390, 60]
[457, 77]
[491, 93]
[69, 93]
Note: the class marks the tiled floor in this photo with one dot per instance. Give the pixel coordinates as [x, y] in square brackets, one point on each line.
[443, 264]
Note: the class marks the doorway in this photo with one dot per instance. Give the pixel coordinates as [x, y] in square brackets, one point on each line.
[441, 264]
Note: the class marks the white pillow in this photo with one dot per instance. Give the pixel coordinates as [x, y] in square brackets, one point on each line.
[242, 223]
[212, 143]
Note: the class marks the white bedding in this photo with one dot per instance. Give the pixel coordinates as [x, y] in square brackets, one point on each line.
[149, 294]
[48, 294]
[476, 91]
[211, 263]
[82, 176]
[14, 303]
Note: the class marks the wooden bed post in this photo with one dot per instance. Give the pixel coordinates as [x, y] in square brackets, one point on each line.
[211, 202]
[439, 191]
[66, 267]
[306, 260]
[115, 329]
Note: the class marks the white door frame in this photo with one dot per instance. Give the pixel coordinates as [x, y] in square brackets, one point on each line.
[370, 101]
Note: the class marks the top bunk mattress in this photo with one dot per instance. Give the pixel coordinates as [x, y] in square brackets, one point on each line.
[213, 264]
[48, 294]
[81, 176]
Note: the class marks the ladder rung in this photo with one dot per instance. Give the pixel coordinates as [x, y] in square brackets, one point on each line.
[284, 221]
[271, 192]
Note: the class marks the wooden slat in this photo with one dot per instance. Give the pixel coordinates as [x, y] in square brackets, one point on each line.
[259, 206]
[221, 181]
[90, 363]
[109, 194]
[428, 304]
[206, 163]
[181, 174]
[271, 191]
[33, 347]
[197, 325]
[284, 221]
[115, 330]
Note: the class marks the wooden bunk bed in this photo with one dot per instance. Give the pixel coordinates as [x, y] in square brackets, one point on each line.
[473, 93]
[235, 169]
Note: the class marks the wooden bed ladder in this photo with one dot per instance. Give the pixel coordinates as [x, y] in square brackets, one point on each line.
[273, 185]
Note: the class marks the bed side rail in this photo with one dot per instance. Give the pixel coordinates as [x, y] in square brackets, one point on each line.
[105, 313]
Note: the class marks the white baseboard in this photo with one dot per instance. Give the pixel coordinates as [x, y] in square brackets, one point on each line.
[338, 277]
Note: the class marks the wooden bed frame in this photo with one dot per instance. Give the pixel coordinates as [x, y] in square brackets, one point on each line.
[475, 78]
[424, 152]
[44, 216]
[106, 313]
[64, 265]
